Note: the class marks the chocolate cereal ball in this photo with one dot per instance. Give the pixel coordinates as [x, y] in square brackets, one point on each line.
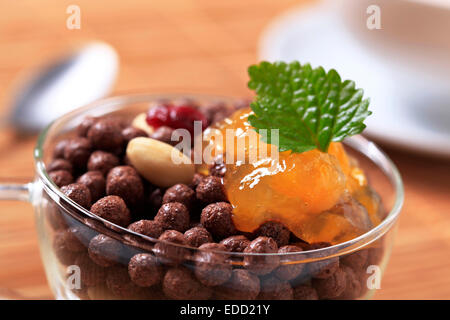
[113, 209]
[124, 181]
[169, 253]
[96, 183]
[218, 167]
[173, 215]
[210, 190]
[322, 269]
[211, 267]
[236, 243]
[129, 133]
[72, 239]
[149, 228]
[106, 134]
[180, 193]
[62, 248]
[196, 180]
[275, 289]
[61, 177]
[217, 112]
[353, 288]
[242, 285]
[60, 164]
[79, 193]
[119, 283]
[261, 264]
[275, 230]
[58, 150]
[85, 125]
[144, 270]
[91, 273]
[288, 269]
[77, 151]
[155, 198]
[102, 161]
[180, 284]
[83, 235]
[375, 256]
[197, 236]
[331, 287]
[54, 216]
[212, 109]
[305, 292]
[104, 251]
[355, 260]
[126, 161]
[124, 171]
[302, 245]
[217, 219]
[164, 134]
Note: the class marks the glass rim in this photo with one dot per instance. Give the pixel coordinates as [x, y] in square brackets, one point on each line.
[358, 142]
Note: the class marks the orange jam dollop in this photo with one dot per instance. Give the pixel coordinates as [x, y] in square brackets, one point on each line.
[318, 196]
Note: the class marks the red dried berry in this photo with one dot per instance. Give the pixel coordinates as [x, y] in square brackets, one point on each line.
[158, 116]
[175, 117]
[184, 116]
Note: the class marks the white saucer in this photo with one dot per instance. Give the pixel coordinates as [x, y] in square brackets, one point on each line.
[410, 110]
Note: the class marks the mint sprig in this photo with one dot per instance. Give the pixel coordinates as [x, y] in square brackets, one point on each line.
[310, 107]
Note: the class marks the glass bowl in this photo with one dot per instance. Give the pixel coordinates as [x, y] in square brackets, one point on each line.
[349, 270]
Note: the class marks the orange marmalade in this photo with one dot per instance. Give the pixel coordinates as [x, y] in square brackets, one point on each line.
[318, 196]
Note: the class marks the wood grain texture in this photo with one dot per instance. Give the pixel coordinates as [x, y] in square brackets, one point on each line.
[191, 46]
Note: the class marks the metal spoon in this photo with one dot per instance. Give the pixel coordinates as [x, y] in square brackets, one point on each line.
[71, 82]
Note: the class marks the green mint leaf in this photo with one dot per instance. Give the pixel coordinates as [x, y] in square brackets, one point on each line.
[310, 107]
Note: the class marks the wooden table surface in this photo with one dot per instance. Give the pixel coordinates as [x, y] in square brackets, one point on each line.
[192, 46]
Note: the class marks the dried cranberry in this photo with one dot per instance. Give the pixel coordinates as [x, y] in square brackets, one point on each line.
[158, 116]
[175, 117]
[184, 117]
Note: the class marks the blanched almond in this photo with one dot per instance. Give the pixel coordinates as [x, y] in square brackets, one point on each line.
[140, 123]
[159, 162]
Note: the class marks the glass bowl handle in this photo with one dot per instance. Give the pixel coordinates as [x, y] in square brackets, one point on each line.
[15, 190]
